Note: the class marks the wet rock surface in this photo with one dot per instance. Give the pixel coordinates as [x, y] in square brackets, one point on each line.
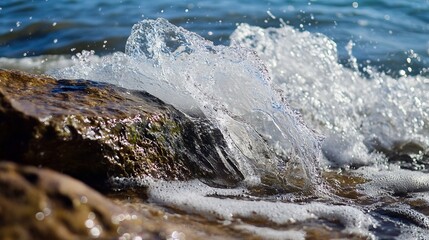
[93, 131]
[42, 204]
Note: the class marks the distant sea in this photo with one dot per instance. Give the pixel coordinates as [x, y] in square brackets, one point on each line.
[384, 32]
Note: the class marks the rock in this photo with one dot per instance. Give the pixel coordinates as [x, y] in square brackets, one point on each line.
[93, 131]
[37, 203]
[42, 204]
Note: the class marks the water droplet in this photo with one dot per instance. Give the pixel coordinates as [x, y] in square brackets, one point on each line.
[186, 10]
[271, 15]
[95, 232]
[89, 223]
[18, 24]
[177, 235]
[11, 30]
[402, 72]
[408, 60]
[54, 24]
[210, 33]
[72, 50]
[40, 216]
[355, 5]
[55, 41]
[25, 54]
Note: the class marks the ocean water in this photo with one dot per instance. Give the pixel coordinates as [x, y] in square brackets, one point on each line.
[384, 32]
[307, 95]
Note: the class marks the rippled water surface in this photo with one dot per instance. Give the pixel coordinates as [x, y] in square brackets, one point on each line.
[384, 32]
[323, 104]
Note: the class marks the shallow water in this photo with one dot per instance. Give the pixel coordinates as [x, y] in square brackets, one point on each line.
[330, 130]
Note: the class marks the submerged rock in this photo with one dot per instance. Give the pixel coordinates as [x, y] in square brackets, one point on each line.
[93, 131]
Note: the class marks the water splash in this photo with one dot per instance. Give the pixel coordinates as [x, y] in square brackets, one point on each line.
[229, 85]
[232, 88]
[360, 116]
[367, 117]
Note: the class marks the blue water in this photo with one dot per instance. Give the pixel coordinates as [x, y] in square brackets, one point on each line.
[286, 101]
[385, 32]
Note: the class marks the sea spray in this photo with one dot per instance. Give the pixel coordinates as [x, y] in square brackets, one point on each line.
[233, 89]
[229, 85]
[362, 114]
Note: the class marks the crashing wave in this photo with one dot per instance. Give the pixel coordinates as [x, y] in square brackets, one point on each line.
[229, 85]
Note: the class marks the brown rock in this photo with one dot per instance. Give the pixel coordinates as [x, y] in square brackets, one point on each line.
[42, 204]
[93, 131]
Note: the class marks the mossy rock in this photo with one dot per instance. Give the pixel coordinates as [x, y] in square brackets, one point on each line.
[94, 131]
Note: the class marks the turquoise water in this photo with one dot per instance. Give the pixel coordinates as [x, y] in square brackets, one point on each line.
[384, 32]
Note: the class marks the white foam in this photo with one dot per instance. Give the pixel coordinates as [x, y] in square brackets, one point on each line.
[355, 113]
[393, 181]
[194, 197]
